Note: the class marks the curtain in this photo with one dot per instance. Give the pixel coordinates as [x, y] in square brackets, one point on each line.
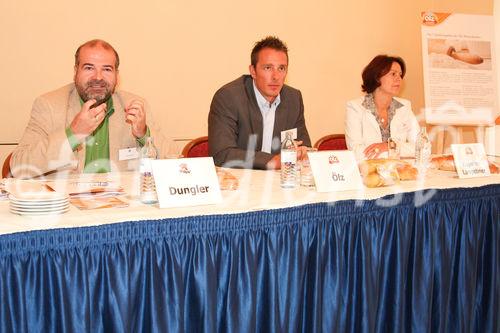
[349, 266]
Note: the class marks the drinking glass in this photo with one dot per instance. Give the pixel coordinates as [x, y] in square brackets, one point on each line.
[306, 175]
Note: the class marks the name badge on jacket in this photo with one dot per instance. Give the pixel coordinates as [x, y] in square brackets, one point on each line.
[128, 154]
[292, 131]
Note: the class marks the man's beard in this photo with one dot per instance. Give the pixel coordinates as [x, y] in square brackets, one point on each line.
[86, 92]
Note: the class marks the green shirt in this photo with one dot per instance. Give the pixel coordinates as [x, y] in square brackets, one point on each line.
[97, 144]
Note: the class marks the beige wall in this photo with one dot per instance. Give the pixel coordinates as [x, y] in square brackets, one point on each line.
[177, 53]
[497, 45]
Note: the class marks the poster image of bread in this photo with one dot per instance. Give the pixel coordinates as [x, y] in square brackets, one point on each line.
[459, 54]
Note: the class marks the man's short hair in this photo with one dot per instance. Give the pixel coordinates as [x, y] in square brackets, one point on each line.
[378, 67]
[269, 42]
[97, 42]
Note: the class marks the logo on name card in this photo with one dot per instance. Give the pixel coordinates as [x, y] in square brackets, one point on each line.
[333, 159]
[184, 169]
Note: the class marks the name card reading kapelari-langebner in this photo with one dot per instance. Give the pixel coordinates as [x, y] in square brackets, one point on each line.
[470, 160]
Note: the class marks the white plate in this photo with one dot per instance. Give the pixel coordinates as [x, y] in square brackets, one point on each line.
[39, 209]
[38, 197]
[58, 212]
[39, 205]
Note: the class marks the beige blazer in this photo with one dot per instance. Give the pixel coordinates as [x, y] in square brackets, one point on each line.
[362, 129]
[44, 147]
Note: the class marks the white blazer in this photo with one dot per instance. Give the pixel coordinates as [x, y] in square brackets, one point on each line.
[362, 129]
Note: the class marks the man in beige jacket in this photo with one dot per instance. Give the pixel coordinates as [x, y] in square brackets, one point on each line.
[86, 126]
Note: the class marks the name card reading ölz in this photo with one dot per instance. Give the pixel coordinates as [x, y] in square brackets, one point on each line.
[335, 170]
[186, 182]
[470, 160]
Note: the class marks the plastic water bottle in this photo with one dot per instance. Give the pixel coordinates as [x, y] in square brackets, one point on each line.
[422, 149]
[148, 188]
[288, 163]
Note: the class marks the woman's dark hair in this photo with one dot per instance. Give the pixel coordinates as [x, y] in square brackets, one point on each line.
[378, 67]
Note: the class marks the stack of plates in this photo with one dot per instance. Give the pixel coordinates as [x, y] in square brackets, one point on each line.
[39, 203]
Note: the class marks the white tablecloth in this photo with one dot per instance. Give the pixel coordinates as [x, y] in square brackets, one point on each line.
[258, 190]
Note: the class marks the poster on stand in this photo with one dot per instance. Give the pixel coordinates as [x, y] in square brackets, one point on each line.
[459, 69]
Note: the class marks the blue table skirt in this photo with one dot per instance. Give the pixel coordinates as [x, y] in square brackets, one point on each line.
[344, 267]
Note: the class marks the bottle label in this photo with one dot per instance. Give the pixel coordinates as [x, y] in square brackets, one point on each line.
[289, 156]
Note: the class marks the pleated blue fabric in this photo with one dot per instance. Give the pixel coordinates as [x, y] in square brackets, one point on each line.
[350, 266]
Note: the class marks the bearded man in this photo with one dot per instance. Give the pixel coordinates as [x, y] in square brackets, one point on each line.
[86, 126]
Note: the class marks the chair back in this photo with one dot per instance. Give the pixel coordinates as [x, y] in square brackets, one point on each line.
[6, 167]
[196, 148]
[331, 142]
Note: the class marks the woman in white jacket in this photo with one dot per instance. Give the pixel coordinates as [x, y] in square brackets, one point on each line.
[379, 115]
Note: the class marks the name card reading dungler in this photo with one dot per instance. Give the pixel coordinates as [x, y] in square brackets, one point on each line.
[335, 170]
[186, 182]
[470, 160]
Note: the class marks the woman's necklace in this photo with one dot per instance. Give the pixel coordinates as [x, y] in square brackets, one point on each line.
[383, 117]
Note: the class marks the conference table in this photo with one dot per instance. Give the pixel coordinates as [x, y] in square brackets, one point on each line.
[420, 256]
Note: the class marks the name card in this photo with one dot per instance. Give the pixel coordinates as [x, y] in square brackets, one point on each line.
[186, 182]
[470, 160]
[335, 170]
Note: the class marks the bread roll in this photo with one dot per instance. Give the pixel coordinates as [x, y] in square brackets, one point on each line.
[444, 162]
[367, 167]
[407, 172]
[227, 180]
[494, 168]
[373, 180]
[447, 163]
[384, 172]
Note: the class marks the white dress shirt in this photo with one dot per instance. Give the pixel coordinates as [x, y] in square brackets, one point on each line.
[268, 111]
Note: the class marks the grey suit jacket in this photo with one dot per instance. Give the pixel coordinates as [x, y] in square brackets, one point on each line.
[44, 146]
[235, 124]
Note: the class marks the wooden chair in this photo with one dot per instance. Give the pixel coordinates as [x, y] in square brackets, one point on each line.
[331, 142]
[196, 148]
[6, 167]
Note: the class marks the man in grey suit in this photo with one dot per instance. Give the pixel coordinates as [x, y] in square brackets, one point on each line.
[248, 114]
